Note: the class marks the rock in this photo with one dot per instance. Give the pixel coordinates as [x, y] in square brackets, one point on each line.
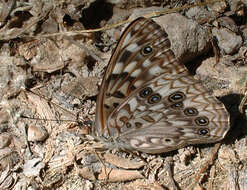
[4, 140]
[36, 133]
[228, 41]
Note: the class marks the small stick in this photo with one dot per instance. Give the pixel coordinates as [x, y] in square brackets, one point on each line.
[205, 166]
[108, 27]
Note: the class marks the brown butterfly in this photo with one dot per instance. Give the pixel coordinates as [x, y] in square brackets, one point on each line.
[149, 102]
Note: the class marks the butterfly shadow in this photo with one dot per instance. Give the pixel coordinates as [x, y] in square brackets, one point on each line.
[238, 120]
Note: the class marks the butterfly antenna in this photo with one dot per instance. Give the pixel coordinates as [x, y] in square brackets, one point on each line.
[77, 120]
[49, 100]
[41, 119]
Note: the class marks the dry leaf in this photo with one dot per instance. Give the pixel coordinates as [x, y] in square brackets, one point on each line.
[122, 162]
[117, 175]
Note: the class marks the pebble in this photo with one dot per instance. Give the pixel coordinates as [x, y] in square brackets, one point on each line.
[36, 133]
[228, 41]
[4, 140]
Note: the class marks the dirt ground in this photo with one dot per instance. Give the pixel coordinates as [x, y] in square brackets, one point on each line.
[53, 58]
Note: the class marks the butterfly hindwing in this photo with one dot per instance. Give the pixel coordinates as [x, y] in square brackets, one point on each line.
[184, 114]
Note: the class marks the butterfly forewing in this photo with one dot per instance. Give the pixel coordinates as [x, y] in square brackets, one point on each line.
[149, 102]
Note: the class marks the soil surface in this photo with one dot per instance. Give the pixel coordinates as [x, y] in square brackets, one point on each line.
[53, 58]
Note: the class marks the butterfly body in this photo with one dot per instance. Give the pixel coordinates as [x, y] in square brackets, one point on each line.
[149, 102]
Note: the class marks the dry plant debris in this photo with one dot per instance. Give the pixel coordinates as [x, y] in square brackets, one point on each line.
[51, 67]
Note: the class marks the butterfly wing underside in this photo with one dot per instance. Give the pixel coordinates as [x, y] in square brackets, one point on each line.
[149, 102]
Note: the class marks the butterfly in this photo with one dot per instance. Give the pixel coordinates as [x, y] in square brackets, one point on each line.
[149, 102]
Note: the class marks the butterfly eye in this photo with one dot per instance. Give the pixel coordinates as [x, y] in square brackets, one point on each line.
[128, 125]
[203, 132]
[176, 97]
[147, 50]
[168, 141]
[202, 121]
[191, 112]
[145, 92]
[154, 99]
[177, 106]
[138, 125]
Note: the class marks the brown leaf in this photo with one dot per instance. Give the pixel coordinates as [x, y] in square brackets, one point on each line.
[122, 162]
[117, 175]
